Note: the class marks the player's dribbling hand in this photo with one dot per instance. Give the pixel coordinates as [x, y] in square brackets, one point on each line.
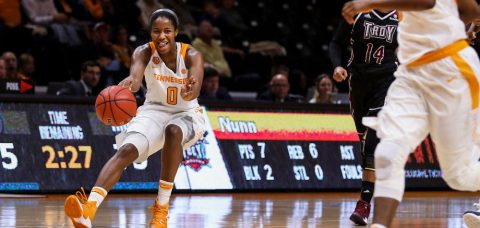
[352, 8]
[130, 83]
[340, 74]
[187, 90]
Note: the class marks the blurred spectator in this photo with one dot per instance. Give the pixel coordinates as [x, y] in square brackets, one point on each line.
[211, 89]
[188, 25]
[147, 7]
[95, 9]
[211, 50]
[324, 90]
[232, 25]
[122, 49]
[279, 91]
[3, 70]
[298, 82]
[89, 79]
[11, 65]
[280, 69]
[10, 13]
[44, 13]
[26, 66]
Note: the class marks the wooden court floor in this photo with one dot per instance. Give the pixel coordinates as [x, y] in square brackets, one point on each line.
[419, 209]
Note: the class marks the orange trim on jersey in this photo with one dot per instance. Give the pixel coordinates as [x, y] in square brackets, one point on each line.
[183, 50]
[439, 54]
[152, 46]
[99, 191]
[470, 76]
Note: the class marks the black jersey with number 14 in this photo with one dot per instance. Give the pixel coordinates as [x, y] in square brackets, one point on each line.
[373, 42]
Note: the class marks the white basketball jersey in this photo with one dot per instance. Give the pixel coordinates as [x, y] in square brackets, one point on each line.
[164, 85]
[423, 31]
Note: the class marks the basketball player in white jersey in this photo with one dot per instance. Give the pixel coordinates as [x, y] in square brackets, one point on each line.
[436, 91]
[170, 119]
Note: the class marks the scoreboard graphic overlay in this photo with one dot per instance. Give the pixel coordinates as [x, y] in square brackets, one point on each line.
[50, 147]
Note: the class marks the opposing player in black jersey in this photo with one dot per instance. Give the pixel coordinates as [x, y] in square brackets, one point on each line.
[373, 42]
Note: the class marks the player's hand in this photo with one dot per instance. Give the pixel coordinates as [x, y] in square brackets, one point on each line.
[130, 83]
[187, 90]
[352, 8]
[340, 74]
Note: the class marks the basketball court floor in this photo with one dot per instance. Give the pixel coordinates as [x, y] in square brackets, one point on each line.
[419, 209]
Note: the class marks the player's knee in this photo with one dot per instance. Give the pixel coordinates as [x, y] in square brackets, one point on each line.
[390, 158]
[127, 153]
[173, 132]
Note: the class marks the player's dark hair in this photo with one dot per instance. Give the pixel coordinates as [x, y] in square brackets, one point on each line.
[166, 13]
[89, 63]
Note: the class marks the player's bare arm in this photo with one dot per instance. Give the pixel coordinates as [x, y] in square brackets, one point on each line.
[194, 62]
[140, 58]
[352, 8]
[469, 10]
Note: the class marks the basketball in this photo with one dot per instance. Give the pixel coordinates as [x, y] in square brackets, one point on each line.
[115, 105]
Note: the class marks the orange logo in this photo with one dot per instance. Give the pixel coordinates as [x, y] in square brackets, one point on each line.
[184, 71]
[156, 60]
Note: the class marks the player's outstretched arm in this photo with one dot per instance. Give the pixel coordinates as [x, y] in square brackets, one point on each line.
[194, 62]
[469, 10]
[140, 58]
[352, 8]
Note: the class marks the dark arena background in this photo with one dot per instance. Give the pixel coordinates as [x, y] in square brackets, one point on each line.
[259, 164]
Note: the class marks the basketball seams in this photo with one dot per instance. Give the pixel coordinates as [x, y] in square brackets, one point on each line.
[121, 109]
[104, 107]
[110, 103]
[118, 106]
[116, 100]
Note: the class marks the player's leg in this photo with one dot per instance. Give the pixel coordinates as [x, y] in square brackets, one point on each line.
[401, 125]
[359, 109]
[133, 146]
[455, 126]
[181, 132]
[375, 100]
[78, 205]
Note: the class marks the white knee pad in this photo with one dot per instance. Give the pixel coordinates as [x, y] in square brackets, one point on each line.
[140, 142]
[390, 159]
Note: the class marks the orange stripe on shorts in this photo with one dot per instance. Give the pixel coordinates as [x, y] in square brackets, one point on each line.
[470, 76]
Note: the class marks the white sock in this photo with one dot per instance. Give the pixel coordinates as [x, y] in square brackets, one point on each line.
[376, 225]
[97, 194]
[164, 192]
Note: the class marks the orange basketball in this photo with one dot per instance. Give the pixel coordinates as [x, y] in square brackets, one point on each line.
[115, 105]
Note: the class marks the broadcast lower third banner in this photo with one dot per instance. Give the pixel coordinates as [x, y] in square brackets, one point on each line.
[62, 147]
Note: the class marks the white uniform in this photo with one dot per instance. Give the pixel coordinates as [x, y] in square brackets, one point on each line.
[436, 92]
[163, 106]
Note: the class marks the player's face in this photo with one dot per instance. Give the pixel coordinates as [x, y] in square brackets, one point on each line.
[163, 35]
[91, 76]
